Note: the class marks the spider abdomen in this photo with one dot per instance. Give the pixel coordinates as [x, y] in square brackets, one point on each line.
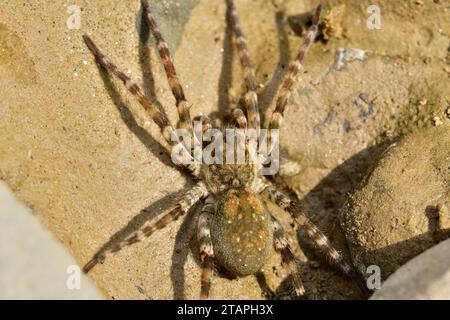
[241, 233]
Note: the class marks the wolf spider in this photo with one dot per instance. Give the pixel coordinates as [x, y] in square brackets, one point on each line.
[235, 229]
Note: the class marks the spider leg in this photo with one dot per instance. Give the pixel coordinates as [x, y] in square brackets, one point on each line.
[251, 98]
[205, 121]
[206, 247]
[206, 124]
[197, 192]
[157, 115]
[282, 246]
[319, 239]
[293, 70]
[174, 83]
[237, 117]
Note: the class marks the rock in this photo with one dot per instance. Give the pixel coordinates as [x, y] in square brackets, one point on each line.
[44, 269]
[426, 277]
[401, 209]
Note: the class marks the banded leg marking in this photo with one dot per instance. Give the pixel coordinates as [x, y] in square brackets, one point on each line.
[293, 70]
[250, 98]
[282, 245]
[237, 117]
[198, 192]
[156, 114]
[206, 247]
[317, 236]
[172, 78]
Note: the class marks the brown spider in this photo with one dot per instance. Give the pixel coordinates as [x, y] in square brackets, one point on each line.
[235, 229]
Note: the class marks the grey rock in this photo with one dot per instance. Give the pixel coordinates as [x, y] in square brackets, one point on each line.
[33, 265]
[427, 276]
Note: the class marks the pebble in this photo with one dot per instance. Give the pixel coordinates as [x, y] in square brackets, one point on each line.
[437, 121]
[423, 102]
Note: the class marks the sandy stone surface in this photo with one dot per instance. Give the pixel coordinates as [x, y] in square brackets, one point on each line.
[80, 152]
[402, 209]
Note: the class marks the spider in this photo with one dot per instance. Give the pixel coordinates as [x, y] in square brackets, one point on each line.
[235, 230]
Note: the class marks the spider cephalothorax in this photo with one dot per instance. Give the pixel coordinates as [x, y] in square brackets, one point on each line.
[220, 177]
[235, 229]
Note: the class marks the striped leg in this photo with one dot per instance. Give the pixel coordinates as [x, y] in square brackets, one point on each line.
[206, 247]
[294, 68]
[237, 117]
[174, 83]
[205, 121]
[200, 131]
[251, 99]
[190, 198]
[157, 115]
[319, 239]
[206, 124]
[281, 244]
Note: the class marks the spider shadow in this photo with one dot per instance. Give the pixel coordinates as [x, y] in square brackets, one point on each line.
[270, 89]
[185, 232]
[183, 241]
[284, 291]
[267, 95]
[226, 74]
[146, 214]
[179, 256]
[145, 61]
[128, 118]
[403, 251]
[343, 180]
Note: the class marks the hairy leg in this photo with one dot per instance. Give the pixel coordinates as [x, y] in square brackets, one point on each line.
[293, 70]
[205, 122]
[237, 117]
[156, 114]
[195, 194]
[318, 237]
[282, 246]
[251, 98]
[174, 83]
[206, 247]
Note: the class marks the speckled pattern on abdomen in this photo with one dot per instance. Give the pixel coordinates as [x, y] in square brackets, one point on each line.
[241, 233]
